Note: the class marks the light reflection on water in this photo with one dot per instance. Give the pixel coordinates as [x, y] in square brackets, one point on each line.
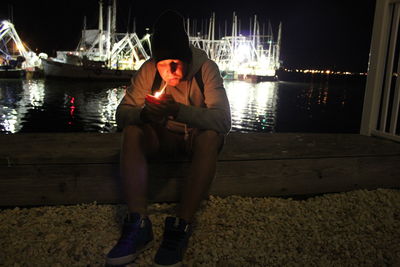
[253, 106]
[15, 106]
[62, 106]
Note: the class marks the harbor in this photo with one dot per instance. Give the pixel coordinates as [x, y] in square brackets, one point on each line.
[315, 103]
[105, 54]
[308, 174]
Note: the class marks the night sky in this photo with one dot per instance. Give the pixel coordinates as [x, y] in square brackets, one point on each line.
[316, 34]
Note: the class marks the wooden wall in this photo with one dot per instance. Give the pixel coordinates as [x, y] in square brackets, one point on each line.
[59, 168]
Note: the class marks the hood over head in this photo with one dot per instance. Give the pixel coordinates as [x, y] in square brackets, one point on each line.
[199, 56]
[170, 40]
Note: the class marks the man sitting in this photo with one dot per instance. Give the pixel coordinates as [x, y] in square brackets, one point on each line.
[191, 116]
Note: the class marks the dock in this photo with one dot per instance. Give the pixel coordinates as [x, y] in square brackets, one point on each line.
[73, 168]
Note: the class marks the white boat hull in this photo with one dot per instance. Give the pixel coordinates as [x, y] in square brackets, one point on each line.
[70, 71]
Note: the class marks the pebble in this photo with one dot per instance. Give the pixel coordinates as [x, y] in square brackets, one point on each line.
[356, 228]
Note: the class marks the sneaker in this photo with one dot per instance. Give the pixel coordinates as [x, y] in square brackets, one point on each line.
[175, 240]
[137, 236]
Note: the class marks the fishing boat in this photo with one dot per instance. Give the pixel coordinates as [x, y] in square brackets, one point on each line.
[7, 73]
[83, 69]
[254, 57]
[100, 54]
[11, 69]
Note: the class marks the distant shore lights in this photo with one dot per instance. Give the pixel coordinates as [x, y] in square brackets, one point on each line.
[325, 72]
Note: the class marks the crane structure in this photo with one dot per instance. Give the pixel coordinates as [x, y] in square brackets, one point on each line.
[116, 50]
[13, 52]
[255, 55]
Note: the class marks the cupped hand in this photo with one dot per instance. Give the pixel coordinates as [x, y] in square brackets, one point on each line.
[165, 106]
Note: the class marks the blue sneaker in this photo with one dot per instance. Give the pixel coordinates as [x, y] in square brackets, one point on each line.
[137, 236]
[175, 240]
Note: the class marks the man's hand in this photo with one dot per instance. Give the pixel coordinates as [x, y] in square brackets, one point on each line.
[146, 116]
[163, 107]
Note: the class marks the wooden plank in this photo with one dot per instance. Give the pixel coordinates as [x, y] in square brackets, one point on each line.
[305, 176]
[58, 184]
[59, 148]
[289, 145]
[94, 148]
[47, 169]
[84, 183]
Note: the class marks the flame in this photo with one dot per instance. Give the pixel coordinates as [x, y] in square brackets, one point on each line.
[158, 94]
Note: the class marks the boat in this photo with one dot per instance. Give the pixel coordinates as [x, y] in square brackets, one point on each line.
[253, 58]
[253, 78]
[100, 54]
[85, 70]
[9, 73]
[11, 69]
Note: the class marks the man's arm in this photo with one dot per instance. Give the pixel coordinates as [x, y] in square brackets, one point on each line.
[216, 115]
[130, 110]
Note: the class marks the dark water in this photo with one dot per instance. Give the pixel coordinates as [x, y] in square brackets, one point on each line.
[318, 104]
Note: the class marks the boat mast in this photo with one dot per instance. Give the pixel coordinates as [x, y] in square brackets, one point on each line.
[83, 44]
[213, 34]
[108, 40]
[251, 23]
[188, 26]
[114, 19]
[234, 33]
[254, 29]
[278, 47]
[101, 28]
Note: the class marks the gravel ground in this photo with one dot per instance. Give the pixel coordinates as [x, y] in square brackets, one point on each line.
[358, 228]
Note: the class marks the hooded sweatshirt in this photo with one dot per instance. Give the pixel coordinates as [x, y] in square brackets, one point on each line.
[209, 110]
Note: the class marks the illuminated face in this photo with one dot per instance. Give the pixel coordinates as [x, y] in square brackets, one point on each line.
[172, 71]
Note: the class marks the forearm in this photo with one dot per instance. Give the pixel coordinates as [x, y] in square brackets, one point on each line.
[215, 119]
[128, 115]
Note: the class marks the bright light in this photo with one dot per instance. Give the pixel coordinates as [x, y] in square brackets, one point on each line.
[6, 23]
[157, 94]
[270, 72]
[242, 53]
[20, 47]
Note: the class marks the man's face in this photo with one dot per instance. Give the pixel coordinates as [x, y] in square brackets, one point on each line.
[171, 71]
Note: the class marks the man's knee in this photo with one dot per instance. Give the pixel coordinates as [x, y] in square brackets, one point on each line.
[142, 137]
[209, 140]
[209, 135]
[132, 132]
